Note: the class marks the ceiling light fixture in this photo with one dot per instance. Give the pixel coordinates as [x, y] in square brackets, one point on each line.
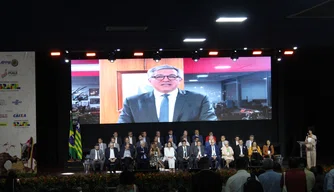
[193, 80]
[234, 56]
[156, 57]
[288, 52]
[257, 52]
[112, 57]
[231, 19]
[189, 40]
[195, 56]
[137, 54]
[202, 76]
[223, 67]
[213, 53]
[90, 54]
[55, 53]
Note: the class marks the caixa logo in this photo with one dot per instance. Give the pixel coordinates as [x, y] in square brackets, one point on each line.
[24, 123]
[19, 115]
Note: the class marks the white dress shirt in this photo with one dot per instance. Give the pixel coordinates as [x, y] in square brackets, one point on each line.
[171, 100]
[116, 139]
[241, 150]
[213, 151]
[130, 140]
[159, 140]
[112, 154]
[96, 155]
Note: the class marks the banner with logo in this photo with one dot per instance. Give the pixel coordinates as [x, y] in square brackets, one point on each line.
[17, 111]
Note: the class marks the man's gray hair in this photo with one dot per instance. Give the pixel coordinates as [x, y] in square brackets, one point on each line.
[151, 71]
[268, 164]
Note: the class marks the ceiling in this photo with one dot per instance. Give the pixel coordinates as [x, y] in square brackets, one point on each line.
[81, 25]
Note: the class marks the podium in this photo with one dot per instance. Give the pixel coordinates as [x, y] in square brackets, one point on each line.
[301, 143]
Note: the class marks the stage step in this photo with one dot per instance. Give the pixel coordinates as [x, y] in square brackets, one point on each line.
[74, 166]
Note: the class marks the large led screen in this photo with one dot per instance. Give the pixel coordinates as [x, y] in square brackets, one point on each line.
[172, 90]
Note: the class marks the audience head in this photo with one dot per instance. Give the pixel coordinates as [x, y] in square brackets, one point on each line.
[127, 146]
[237, 138]
[112, 140]
[196, 139]
[196, 132]
[268, 142]
[277, 167]
[254, 144]
[170, 132]
[169, 144]
[199, 143]
[126, 140]
[241, 142]
[99, 140]
[226, 143]
[157, 133]
[185, 133]
[206, 180]
[302, 163]
[127, 178]
[97, 146]
[115, 134]
[222, 138]
[320, 169]
[212, 142]
[181, 189]
[140, 137]
[210, 134]
[293, 162]
[268, 164]
[241, 163]
[184, 142]
[143, 144]
[130, 134]
[251, 137]
[314, 171]
[144, 134]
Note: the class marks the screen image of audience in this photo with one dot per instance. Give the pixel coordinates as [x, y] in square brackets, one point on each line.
[217, 97]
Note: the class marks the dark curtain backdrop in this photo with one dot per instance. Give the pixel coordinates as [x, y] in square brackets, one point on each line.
[302, 97]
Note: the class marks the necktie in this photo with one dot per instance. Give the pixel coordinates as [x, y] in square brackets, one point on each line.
[164, 109]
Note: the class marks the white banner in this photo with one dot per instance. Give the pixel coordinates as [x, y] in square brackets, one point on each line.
[18, 107]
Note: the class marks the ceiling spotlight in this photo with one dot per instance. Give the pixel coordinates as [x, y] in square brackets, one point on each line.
[295, 48]
[66, 57]
[257, 52]
[231, 19]
[201, 49]
[156, 57]
[234, 56]
[67, 60]
[288, 52]
[160, 49]
[245, 48]
[279, 55]
[194, 40]
[112, 57]
[195, 56]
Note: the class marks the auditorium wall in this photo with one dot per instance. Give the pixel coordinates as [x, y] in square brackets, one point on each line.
[17, 111]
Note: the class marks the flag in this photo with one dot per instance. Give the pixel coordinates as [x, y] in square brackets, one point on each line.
[78, 146]
[71, 146]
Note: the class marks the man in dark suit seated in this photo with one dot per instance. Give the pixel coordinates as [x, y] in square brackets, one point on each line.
[97, 157]
[200, 137]
[213, 153]
[183, 155]
[127, 155]
[111, 158]
[197, 154]
[240, 150]
[142, 156]
[169, 136]
[160, 140]
[166, 103]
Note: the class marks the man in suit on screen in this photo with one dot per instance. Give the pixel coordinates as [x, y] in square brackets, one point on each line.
[166, 103]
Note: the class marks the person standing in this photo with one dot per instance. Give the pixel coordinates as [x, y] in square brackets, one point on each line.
[311, 150]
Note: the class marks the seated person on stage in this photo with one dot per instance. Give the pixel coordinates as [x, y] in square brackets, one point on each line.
[142, 156]
[111, 154]
[169, 155]
[250, 141]
[194, 143]
[102, 145]
[210, 137]
[127, 154]
[132, 139]
[155, 157]
[197, 153]
[184, 139]
[200, 137]
[97, 157]
[140, 141]
[127, 141]
[116, 145]
[221, 143]
[268, 150]
[183, 155]
[227, 154]
[160, 139]
[255, 153]
[240, 150]
[157, 143]
[185, 136]
[213, 154]
[173, 144]
[170, 136]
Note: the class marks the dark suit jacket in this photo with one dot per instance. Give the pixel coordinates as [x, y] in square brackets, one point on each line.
[174, 139]
[162, 140]
[209, 151]
[180, 152]
[148, 142]
[119, 141]
[188, 139]
[107, 153]
[220, 144]
[140, 153]
[237, 151]
[194, 152]
[189, 106]
[92, 154]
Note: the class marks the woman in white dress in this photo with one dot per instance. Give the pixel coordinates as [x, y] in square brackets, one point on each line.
[227, 154]
[169, 152]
